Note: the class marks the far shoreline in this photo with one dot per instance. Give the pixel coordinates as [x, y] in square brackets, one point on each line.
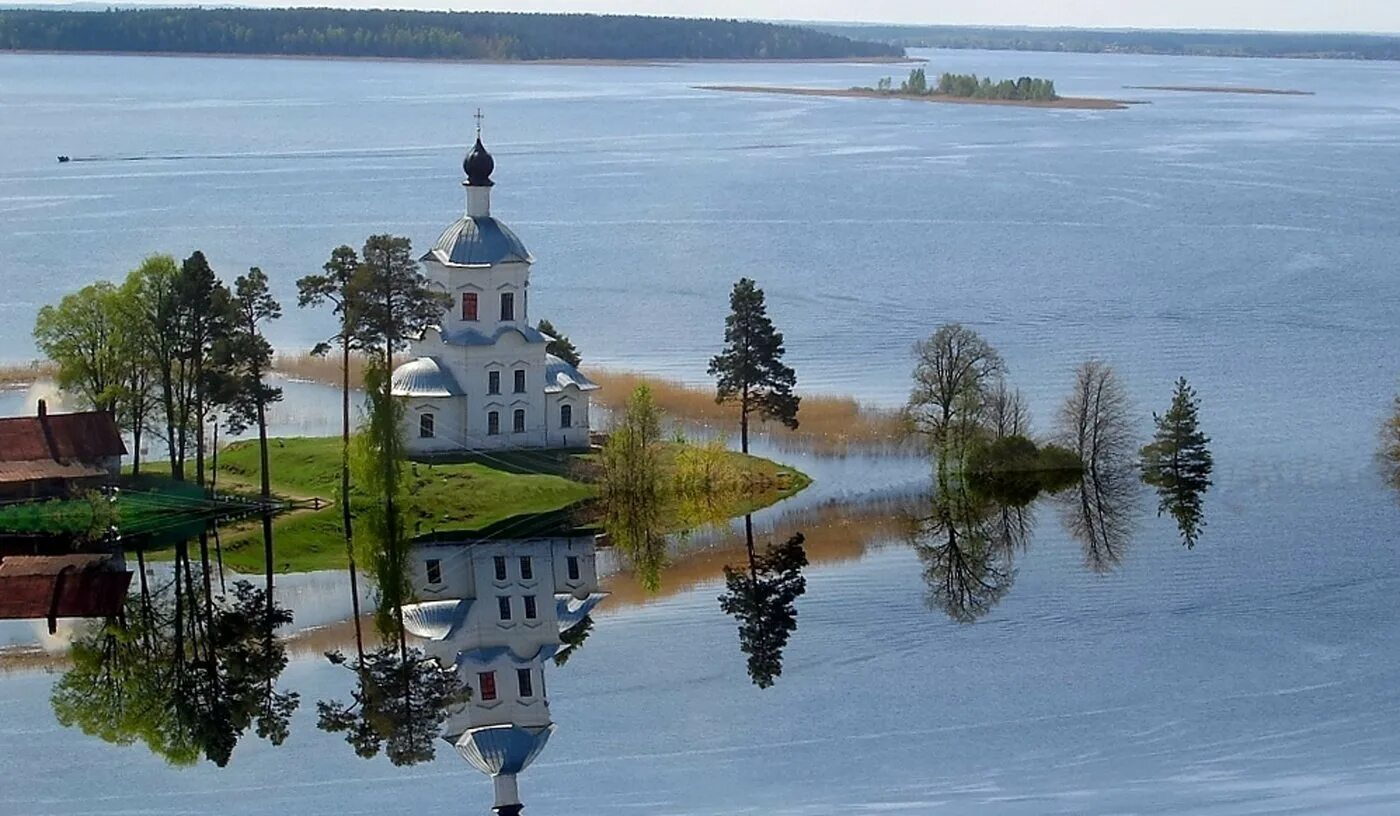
[1062, 103]
[646, 62]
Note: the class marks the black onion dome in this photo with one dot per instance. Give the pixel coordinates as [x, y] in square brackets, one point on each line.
[479, 165]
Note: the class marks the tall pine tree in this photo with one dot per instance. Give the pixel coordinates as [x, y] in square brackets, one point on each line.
[750, 370]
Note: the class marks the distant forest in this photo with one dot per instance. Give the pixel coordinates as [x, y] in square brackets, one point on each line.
[1136, 41]
[419, 35]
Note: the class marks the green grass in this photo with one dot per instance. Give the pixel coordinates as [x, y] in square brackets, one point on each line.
[461, 493]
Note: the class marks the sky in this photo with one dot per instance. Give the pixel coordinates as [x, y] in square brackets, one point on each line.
[1294, 15]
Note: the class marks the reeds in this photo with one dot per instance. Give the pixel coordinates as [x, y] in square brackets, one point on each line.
[15, 375]
[325, 369]
[827, 423]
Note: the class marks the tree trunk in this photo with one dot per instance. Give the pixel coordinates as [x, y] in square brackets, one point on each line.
[136, 448]
[168, 401]
[744, 419]
[199, 416]
[345, 515]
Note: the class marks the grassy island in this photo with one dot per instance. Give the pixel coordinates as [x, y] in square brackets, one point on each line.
[1028, 92]
[471, 492]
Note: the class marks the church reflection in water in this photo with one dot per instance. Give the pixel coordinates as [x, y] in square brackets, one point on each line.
[498, 610]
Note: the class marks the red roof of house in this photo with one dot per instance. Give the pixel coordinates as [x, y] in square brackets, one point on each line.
[73, 586]
[85, 436]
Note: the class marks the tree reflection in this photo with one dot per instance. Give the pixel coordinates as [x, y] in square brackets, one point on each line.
[1098, 513]
[397, 705]
[762, 598]
[966, 541]
[184, 673]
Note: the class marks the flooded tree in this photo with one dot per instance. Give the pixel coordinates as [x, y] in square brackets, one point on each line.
[1006, 413]
[955, 375]
[632, 487]
[400, 701]
[1177, 463]
[762, 597]
[1096, 419]
[750, 370]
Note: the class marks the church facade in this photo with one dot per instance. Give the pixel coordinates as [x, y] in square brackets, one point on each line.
[483, 379]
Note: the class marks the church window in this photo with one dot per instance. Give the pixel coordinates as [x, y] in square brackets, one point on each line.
[425, 426]
[531, 611]
[566, 416]
[469, 306]
[486, 681]
[527, 568]
[493, 382]
[526, 682]
[503, 606]
[434, 571]
[500, 567]
[507, 305]
[573, 568]
[520, 381]
[519, 420]
[493, 423]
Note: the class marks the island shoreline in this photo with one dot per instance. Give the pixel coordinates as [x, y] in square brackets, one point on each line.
[1062, 103]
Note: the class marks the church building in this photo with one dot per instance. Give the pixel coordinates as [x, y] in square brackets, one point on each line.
[482, 379]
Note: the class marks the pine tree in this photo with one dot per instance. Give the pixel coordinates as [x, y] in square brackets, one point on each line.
[1178, 463]
[560, 345]
[750, 370]
[1178, 448]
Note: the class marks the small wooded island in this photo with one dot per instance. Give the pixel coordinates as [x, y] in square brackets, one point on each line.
[955, 88]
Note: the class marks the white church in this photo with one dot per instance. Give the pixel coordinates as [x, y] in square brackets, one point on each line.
[482, 380]
[496, 612]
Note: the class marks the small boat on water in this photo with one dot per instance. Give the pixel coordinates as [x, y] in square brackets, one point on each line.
[63, 159]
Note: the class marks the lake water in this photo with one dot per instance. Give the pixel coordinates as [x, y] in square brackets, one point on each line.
[1248, 243]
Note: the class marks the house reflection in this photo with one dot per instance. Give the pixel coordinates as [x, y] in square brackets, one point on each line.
[498, 607]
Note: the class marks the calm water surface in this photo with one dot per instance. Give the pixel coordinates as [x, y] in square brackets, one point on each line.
[1248, 243]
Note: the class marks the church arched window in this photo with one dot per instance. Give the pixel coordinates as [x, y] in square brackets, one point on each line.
[493, 423]
[425, 426]
[519, 421]
[566, 416]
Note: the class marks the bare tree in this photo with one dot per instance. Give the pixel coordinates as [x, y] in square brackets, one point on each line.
[1095, 421]
[955, 371]
[1006, 413]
